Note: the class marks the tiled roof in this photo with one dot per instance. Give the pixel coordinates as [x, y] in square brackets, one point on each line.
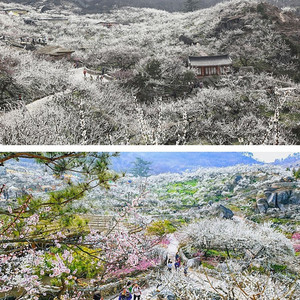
[207, 61]
[54, 50]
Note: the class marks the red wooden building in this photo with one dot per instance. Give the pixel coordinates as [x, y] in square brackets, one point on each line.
[108, 24]
[210, 65]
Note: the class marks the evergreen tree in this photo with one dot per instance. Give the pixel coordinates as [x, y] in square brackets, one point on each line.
[296, 173]
[141, 168]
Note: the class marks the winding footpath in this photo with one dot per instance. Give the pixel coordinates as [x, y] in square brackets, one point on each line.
[194, 277]
[75, 76]
[171, 251]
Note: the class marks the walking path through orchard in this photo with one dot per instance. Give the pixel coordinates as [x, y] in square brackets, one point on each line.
[194, 277]
[171, 251]
[75, 76]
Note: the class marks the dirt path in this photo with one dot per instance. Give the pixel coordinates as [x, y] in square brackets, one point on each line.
[75, 76]
[172, 247]
[196, 278]
[171, 250]
[31, 108]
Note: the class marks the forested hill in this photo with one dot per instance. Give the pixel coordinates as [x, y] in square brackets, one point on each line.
[96, 6]
[160, 99]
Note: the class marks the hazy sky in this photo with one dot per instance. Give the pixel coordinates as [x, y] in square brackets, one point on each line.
[270, 156]
[176, 162]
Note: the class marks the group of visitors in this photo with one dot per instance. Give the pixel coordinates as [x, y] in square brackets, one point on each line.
[129, 290]
[98, 76]
[177, 264]
[132, 291]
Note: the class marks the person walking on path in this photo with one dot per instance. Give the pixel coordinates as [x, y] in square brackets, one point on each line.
[166, 260]
[179, 261]
[169, 265]
[84, 73]
[176, 265]
[136, 292]
[129, 286]
[125, 295]
[185, 269]
[97, 296]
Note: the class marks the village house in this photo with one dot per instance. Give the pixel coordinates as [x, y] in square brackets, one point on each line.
[210, 65]
[55, 52]
[25, 40]
[107, 24]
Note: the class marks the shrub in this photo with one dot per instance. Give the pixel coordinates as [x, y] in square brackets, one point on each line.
[161, 228]
[278, 268]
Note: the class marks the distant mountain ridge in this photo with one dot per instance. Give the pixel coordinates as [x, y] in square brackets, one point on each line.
[177, 162]
[97, 6]
[292, 160]
[169, 162]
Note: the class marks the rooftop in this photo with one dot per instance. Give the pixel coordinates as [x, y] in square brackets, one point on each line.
[207, 61]
[16, 9]
[54, 50]
[53, 19]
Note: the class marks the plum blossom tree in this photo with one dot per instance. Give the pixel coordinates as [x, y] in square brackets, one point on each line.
[47, 237]
[240, 237]
[233, 284]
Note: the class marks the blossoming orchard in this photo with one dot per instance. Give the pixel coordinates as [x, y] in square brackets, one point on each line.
[44, 240]
[71, 227]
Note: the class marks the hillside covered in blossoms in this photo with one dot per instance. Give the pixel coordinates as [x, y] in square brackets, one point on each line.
[226, 74]
[73, 228]
[97, 6]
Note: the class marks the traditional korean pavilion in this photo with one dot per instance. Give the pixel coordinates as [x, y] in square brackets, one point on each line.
[210, 65]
